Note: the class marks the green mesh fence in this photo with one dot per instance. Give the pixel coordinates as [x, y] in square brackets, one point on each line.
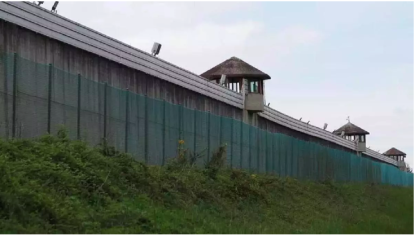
[36, 99]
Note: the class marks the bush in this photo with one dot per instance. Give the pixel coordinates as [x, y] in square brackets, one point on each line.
[55, 185]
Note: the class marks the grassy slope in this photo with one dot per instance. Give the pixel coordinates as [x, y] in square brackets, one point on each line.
[55, 185]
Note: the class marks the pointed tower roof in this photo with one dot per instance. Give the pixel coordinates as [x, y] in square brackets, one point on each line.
[234, 68]
[394, 152]
[351, 129]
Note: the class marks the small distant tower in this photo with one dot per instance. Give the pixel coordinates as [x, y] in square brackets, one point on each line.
[353, 132]
[398, 156]
[241, 77]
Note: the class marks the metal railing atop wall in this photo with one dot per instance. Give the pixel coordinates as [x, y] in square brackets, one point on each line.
[36, 99]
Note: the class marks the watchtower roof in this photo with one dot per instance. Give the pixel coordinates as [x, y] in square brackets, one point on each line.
[351, 129]
[234, 68]
[394, 152]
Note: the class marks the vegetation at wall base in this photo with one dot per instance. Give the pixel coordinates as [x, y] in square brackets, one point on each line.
[55, 185]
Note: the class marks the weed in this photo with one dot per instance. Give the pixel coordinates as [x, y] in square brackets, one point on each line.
[216, 162]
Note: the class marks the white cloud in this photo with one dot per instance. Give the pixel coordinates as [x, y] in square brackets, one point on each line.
[193, 35]
[203, 46]
[272, 49]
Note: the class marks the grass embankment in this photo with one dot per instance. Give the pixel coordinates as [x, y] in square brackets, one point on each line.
[53, 185]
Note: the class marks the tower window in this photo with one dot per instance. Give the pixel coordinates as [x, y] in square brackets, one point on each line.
[256, 86]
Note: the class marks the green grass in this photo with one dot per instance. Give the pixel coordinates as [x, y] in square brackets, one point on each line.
[53, 185]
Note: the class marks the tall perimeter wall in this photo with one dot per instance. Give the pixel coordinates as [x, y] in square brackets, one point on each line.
[43, 37]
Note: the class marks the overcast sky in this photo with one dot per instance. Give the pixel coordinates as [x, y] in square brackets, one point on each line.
[327, 60]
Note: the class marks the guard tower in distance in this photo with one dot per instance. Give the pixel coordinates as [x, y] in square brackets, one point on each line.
[397, 155]
[241, 77]
[353, 132]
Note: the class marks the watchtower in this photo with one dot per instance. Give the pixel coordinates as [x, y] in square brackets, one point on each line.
[353, 132]
[241, 77]
[397, 155]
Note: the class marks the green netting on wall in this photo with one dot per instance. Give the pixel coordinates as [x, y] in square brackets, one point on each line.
[236, 146]
[64, 94]
[31, 97]
[91, 110]
[37, 98]
[201, 136]
[245, 142]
